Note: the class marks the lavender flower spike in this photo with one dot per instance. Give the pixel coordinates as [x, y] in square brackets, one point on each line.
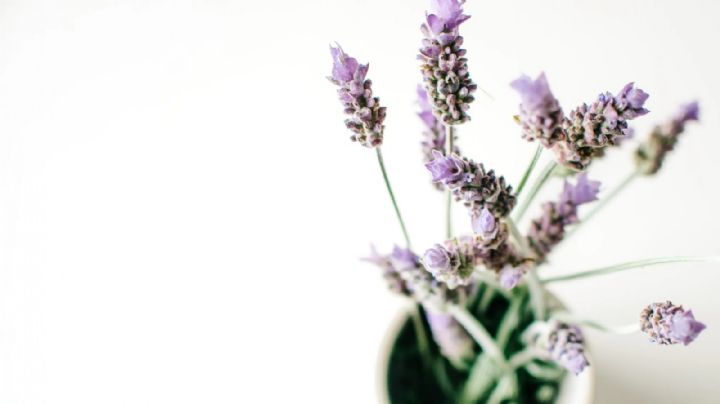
[472, 184]
[564, 343]
[434, 135]
[449, 170]
[668, 324]
[444, 66]
[406, 276]
[485, 225]
[540, 113]
[590, 129]
[444, 266]
[510, 276]
[651, 153]
[549, 230]
[454, 342]
[366, 116]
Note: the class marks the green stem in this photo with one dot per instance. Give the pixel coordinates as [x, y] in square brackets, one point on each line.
[544, 372]
[518, 237]
[392, 196]
[449, 135]
[620, 330]
[627, 265]
[510, 321]
[544, 175]
[529, 169]
[482, 376]
[604, 201]
[537, 293]
[502, 390]
[421, 335]
[487, 298]
[524, 357]
[479, 333]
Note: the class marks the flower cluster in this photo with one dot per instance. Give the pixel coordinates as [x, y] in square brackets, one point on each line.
[548, 230]
[444, 66]
[366, 116]
[454, 262]
[583, 134]
[471, 183]
[564, 343]
[668, 324]
[405, 275]
[651, 153]
[540, 114]
[452, 281]
[434, 134]
[590, 129]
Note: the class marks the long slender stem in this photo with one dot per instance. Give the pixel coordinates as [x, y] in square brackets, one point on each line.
[537, 293]
[421, 335]
[529, 169]
[509, 321]
[518, 237]
[604, 201]
[620, 330]
[627, 265]
[392, 196]
[450, 136]
[479, 333]
[502, 390]
[481, 378]
[544, 175]
[523, 357]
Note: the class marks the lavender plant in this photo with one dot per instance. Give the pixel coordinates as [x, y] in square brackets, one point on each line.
[484, 327]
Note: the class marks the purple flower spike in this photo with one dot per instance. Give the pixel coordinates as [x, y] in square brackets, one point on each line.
[590, 129]
[685, 328]
[540, 113]
[472, 184]
[485, 225]
[563, 343]
[454, 342]
[688, 112]
[447, 170]
[434, 135]
[406, 276]
[404, 258]
[631, 101]
[510, 276]
[366, 116]
[451, 264]
[583, 191]
[651, 153]
[549, 230]
[437, 260]
[668, 324]
[446, 15]
[444, 66]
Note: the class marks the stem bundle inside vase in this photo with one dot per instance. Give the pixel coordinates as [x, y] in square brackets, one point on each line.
[484, 327]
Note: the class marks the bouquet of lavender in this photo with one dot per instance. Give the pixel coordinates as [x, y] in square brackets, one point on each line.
[484, 327]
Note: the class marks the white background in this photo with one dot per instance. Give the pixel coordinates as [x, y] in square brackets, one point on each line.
[181, 212]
